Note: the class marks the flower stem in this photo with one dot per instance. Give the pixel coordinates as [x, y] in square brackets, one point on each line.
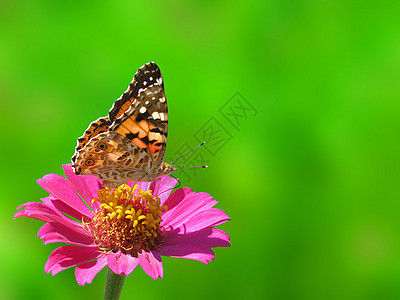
[114, 283]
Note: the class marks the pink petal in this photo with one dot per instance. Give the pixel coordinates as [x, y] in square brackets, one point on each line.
[183, 204]
[121, 263]
[163, 187]
[58, 233]
[86, 185]
[218, 238]
[63, 207]
[209, 218]
[85, 273]
[151, 263]
[196, 246]
[66, 257]
[198, 253]
[46, 213]
[208, 237]
[63, 190]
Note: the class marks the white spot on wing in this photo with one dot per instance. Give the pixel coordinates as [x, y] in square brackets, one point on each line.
[159, 81]
[155, 115]
[162, 116]
[162, 99]
[142, 110]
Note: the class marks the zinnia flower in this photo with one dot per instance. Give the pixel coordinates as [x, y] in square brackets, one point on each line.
[123, 227]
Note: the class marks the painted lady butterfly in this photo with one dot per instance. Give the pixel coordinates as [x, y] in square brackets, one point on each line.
[128, 144]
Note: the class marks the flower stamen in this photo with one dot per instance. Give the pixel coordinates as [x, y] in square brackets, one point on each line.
[128, 220]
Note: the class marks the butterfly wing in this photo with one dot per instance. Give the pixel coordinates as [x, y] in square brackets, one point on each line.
[145, 77]
[113, 158]
[145, 121]
[95, 128]
[129, 144]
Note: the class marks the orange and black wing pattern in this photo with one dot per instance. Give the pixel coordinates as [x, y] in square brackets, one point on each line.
[145, 77]
[95, 128]
[130, 143]
[145, 120]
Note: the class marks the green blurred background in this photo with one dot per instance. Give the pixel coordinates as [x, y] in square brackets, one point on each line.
[310, 176]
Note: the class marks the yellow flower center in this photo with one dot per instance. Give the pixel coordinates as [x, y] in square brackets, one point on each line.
[128, 220]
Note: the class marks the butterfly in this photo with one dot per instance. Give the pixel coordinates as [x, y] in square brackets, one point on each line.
[129, 144]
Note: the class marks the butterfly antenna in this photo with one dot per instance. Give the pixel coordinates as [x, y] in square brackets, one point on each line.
[202, 167]
[201, 144]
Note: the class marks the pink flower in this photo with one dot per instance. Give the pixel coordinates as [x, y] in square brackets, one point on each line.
[122, 232]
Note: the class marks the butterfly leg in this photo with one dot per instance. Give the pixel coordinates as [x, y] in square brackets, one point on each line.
[130, 193]
[159, 184]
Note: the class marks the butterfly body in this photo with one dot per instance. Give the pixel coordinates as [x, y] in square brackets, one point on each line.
[129, 144]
